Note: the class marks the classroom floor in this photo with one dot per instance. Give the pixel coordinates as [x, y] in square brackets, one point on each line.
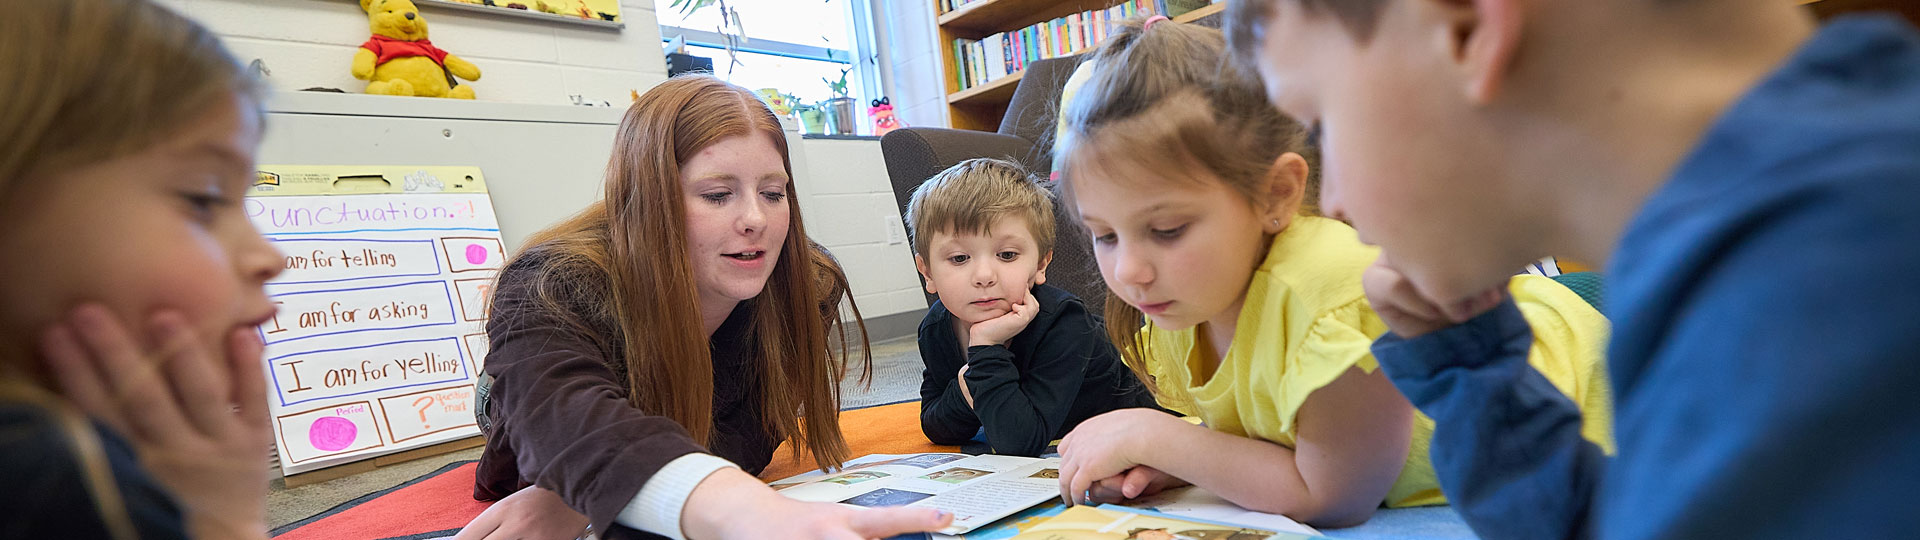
[896, 378]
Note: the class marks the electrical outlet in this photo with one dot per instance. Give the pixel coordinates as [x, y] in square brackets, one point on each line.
[896, 230]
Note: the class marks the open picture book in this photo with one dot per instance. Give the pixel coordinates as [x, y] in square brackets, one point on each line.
[977, 489]
[998, 497]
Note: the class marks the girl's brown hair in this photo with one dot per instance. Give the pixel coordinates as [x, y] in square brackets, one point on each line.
[635, 239]
[1167, 101]
[85, 81]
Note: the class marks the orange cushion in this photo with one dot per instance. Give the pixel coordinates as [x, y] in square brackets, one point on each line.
[886, 429]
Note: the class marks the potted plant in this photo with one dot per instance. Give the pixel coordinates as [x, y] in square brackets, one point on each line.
[813, 120]
[839, 110]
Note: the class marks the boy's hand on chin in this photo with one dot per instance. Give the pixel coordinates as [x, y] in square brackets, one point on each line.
[999, 330]
[1411, 314]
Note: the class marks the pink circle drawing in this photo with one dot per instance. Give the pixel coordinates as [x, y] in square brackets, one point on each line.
[476, 254]
[332, 433]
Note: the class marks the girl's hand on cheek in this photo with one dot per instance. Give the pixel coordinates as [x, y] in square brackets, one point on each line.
[197, 421]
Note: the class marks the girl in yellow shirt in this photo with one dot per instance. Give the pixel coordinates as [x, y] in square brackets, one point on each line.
[1238, 306]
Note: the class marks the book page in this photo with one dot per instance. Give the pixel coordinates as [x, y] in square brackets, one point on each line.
[999, 495]
[1196, 503]
[868, 475]
[976, 489]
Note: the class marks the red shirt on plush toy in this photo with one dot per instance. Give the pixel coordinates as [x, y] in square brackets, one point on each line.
[385, 49]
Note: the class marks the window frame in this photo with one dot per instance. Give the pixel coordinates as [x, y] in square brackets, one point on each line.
[863, 82]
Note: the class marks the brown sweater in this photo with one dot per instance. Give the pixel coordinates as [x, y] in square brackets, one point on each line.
[559, 410]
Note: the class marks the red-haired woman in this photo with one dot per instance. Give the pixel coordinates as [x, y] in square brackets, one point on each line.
[652, 351]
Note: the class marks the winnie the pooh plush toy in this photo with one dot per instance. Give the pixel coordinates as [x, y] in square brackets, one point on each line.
[399, 61]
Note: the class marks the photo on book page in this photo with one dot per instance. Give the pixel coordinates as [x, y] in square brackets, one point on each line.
[976, 489]
[886, 497]
[919, 461]
[855, 477]
[956, 475]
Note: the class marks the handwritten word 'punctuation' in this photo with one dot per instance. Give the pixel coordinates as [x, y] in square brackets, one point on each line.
[346, 213]
[424, 364]
[344, 259]
[336, 313]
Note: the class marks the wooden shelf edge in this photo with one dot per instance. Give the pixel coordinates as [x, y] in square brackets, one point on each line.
[963, 96]
[965, 11]
[504, 11]
[1201, 13]
[958, 98]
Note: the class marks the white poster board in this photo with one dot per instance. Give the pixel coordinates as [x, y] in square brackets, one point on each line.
[382, 306]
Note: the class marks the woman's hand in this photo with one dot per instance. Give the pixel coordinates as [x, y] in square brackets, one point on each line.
[731, 505]
[534, 513]
[1105, 446]
[198, 423]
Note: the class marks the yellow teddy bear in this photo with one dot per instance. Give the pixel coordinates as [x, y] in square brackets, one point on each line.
[399, 61]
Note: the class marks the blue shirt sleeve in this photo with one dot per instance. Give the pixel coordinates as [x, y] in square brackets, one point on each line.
[1506, 443]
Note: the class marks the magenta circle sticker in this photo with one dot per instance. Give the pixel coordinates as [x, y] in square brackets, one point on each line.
[476, 254]
[332, 433]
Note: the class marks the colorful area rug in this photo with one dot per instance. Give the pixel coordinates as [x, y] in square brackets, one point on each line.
[437, 504]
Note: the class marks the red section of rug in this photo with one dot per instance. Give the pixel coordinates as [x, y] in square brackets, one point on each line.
[436, 502]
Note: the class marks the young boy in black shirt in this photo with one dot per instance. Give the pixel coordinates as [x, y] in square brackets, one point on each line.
[1007, 358]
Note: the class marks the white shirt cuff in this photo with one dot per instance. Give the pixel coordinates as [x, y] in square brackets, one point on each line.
[657, 508]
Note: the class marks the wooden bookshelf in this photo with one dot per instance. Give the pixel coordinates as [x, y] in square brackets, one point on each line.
[999, 90]
[981, 107]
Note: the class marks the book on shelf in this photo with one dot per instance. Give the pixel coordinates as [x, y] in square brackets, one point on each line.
[994, 57]
[978, 52]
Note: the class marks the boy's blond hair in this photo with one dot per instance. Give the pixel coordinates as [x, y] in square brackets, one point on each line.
[970, 197]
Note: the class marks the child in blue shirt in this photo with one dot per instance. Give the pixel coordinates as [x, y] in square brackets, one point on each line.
[1007, 357]
[1750, 181]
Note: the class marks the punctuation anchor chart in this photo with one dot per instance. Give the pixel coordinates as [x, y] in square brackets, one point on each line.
[383, 305]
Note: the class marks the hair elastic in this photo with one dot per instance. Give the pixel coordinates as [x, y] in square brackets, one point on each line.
[1150, 20]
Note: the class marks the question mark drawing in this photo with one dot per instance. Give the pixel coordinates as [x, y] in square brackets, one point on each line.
[423, 403]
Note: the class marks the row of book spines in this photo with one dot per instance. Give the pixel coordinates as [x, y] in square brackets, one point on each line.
[981, 61]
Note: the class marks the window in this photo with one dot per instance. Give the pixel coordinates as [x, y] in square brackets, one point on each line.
[788, 44]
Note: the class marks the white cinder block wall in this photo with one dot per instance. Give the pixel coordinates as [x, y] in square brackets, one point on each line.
[847, 199]
[906, 31]
[849, 208]
[310, 43]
